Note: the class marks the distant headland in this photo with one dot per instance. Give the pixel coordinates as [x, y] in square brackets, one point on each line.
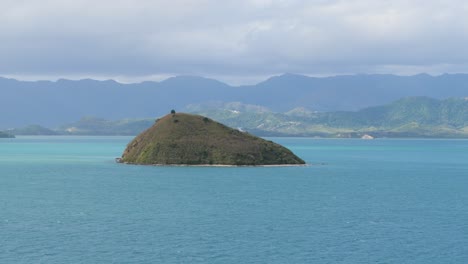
[186, 139]
[5, 135]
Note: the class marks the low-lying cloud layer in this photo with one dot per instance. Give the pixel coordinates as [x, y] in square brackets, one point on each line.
[233, 40]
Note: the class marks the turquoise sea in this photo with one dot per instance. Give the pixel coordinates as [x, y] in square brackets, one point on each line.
[65, 200]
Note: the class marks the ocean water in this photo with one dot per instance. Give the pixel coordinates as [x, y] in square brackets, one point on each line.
[65, 200]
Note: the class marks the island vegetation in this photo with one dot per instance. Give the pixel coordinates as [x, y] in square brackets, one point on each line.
[186, 139]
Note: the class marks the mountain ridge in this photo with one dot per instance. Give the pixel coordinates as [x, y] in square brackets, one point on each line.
[55, 103]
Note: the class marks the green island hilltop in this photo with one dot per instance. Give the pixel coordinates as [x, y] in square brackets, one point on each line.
[186, 139]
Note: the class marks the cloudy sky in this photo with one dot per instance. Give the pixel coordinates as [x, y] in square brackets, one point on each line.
[237, 41]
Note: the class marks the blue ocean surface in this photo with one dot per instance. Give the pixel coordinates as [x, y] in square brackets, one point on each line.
[65, 200]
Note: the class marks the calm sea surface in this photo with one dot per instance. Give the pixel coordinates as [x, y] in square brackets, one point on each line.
[64, 200]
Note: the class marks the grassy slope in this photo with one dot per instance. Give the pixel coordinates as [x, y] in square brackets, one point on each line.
[193, 139]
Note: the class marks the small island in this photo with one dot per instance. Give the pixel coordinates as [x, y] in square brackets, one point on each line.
[5, 135]
[186, 139]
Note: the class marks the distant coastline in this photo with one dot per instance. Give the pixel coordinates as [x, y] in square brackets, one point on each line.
[412, 117]
[6, 135]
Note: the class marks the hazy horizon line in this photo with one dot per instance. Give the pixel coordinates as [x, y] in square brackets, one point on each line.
[161, 78]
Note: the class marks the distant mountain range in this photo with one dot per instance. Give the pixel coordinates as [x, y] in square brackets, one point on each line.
[54, 103]
[407, 117]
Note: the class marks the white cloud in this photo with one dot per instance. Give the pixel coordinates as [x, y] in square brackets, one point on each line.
[234, 39]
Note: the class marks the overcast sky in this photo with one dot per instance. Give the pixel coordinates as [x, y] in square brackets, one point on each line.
[234, 41]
